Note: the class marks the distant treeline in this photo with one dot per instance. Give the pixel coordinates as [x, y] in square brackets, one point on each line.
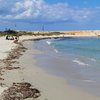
[8, 32]
[14, 33]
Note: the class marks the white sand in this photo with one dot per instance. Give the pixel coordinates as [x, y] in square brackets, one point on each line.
[51, 87]
[5, 47]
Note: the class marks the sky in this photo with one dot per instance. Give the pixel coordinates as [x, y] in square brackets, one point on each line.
[53, 15]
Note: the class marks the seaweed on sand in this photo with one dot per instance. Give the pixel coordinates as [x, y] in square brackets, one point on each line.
[20, 91]
[14, 54]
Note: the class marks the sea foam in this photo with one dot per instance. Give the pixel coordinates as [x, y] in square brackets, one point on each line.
[80, 62]
[56, 50]
[48, 42]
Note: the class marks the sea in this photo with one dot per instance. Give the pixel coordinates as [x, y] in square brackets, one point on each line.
[77, 60]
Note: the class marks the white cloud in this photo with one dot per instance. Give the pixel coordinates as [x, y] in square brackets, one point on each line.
[39, 9]
[28, 8]
[26, 4]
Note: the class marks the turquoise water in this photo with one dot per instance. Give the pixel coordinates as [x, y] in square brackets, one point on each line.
[77, 60]
[88, 47]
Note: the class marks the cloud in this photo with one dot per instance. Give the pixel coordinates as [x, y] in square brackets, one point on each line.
[40, 10]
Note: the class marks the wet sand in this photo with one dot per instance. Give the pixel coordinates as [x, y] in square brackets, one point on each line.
[75, 69]
[51, 87]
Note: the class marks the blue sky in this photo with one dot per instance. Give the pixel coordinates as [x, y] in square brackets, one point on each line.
[55, 15]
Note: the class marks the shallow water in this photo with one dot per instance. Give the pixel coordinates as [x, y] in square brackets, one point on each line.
[74, 59]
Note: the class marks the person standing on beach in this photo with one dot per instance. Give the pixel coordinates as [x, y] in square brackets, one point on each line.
[16, 39]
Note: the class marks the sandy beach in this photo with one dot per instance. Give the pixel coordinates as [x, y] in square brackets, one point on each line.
[19, 66]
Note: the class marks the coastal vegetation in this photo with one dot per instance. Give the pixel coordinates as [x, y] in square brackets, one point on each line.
[11, 32]
[35, 33]
[8, 32]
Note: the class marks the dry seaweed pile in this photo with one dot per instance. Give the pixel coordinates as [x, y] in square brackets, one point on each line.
[6, 64]
[14, 54]
[20, 91]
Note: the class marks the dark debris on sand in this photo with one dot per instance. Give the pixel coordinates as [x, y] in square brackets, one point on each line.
[6, 64]
[14, 54]
[20, 91]
[11, 68]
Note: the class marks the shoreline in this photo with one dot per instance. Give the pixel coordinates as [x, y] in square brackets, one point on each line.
[53, 87]
[27, 71]
[75, 69]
